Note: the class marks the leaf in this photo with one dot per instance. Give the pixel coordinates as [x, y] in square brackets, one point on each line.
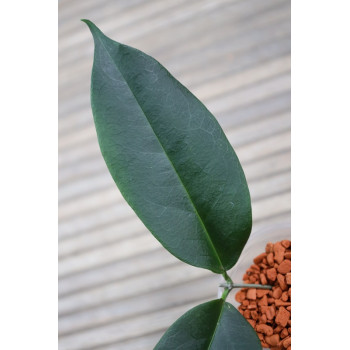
[169, 157]
[215, 325]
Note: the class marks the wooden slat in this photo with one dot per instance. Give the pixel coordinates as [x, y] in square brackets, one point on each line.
[270, 166]
[101, 235]
[239, 136]
[148, 341]
[247, 154]
[260, 191]
[190, 72]
[112, 252]
[180, 9]
[260, 52]
[116, 270]
[202, 288]
[172, 43]
[228, 86]
[279, 203]
[222, 104]
[222, 85]
[99, 277]
[244, 78]
[144, 324]
[133, 286]
[264, 147]
[243, 115]
[112, 313]
[256, 110]
[69, 11]
[117, 201]
[139, 15]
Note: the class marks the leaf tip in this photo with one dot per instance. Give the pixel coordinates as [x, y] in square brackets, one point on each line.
[93, 28]
[86, 21]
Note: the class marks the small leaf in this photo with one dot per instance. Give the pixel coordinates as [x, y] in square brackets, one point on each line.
[215, 325]
[169, 157]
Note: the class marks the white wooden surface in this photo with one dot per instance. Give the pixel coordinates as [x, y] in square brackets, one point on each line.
[118, 288]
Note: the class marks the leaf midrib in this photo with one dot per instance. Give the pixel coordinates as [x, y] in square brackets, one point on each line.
[216, 327]
[179, 177]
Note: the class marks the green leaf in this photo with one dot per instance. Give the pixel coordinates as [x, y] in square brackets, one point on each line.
[215, 325]
[169, 157]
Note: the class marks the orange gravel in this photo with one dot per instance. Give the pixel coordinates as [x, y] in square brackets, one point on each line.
[269, 311]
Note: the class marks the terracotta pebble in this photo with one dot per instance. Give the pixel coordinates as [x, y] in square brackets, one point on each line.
[259, 258]
[281, 281]
[284, 333]
[272, 340]
[270, 259]
[252, 279]
[269, 311]
[263, 279]
[261, 292]
[271, 274]
[282, 316]
[287, 342]
[288, 255]
[278, 251]
[252, 307]
[255, 267]
[284, 296]
[288, 278]
[284, 267]
[264, 345]
[277, 293]
[240, 296]
[278, 329]
[269, 248]
[265, 329]
[254, 315]
[286, 243]
[251, 294]
[270, 300]
[263, 301]
[281, 303]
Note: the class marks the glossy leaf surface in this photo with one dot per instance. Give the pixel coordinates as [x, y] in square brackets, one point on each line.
[169, 157]
[215, 325]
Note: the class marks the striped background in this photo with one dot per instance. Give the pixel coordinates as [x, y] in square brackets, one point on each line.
[118, 288]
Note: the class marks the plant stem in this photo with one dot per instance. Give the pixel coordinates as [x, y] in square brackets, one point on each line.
[247, 285]
[225, 293]
[227, 278]
[229, 285]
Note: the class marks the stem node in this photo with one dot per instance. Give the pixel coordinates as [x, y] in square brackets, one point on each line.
[229, 285]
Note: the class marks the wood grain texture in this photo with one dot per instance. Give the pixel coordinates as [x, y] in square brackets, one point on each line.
[118, 288]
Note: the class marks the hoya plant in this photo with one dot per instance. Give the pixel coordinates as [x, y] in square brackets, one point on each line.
[176, 169]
